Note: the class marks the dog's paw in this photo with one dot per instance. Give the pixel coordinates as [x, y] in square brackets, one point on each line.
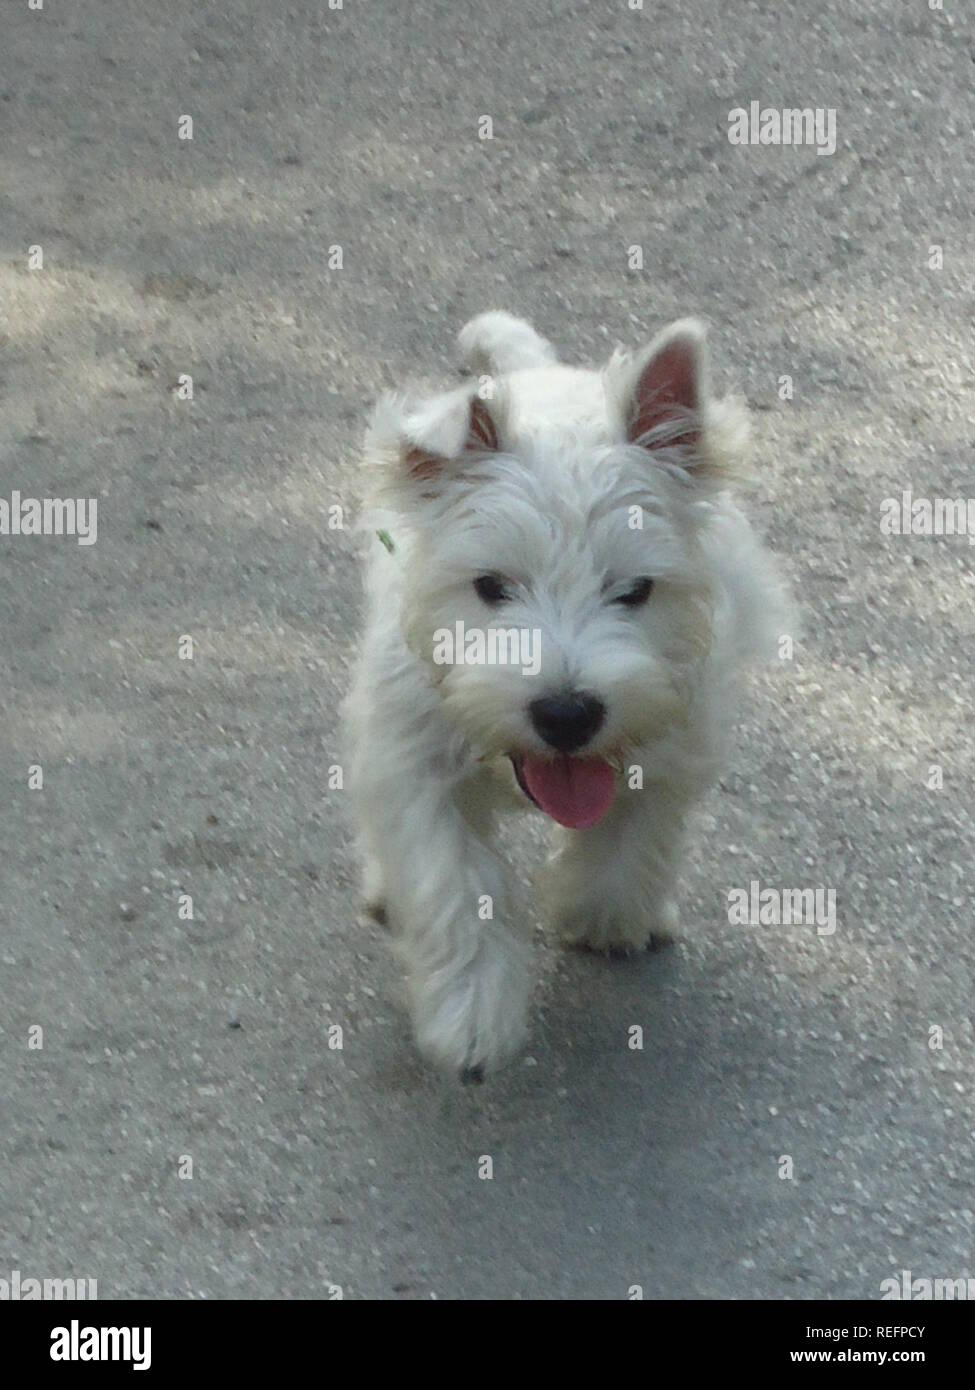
[607, 928]
[376, 909]
[373, 887]
[472, 1019]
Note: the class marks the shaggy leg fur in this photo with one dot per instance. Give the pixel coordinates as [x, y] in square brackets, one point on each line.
[469, 977]
[612, 888]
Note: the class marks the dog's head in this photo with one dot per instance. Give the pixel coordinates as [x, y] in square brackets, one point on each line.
[555, 582]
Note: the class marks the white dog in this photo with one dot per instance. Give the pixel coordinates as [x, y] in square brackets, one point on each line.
[560, 595]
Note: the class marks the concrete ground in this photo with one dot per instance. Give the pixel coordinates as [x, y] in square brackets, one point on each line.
[166, 1038]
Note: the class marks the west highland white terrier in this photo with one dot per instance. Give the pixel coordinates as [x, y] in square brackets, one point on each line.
[561, 594]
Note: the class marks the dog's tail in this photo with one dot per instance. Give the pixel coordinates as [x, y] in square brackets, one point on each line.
[496, 343]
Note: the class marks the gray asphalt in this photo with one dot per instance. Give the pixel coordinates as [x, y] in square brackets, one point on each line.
[358, 1168]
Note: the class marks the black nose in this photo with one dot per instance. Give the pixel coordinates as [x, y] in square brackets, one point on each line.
[566, 722]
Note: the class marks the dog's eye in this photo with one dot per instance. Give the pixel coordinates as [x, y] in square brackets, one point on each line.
[490, 588]
[637, 594]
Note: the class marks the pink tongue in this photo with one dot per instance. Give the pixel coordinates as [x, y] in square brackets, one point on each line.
[576, 792]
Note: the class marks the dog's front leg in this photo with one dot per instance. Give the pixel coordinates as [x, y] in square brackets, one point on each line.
[612, 887]
[469, 976]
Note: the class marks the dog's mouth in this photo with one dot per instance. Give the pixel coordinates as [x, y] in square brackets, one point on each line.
[576, 792]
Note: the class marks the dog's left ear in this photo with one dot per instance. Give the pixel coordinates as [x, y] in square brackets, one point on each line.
[442, 431]
[414, 448]
[664, 397]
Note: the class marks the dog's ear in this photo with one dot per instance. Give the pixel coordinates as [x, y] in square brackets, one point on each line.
[443, 431]
[665, 400]
[668, 388]
[429, 442]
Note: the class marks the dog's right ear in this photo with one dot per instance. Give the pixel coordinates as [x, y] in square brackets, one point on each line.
[664, 405]
[414, 449]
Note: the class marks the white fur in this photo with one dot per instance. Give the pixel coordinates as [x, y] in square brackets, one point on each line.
[548, 509]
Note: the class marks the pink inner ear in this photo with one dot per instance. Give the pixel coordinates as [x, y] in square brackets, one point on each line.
[484, 432]
[666, 391]
[424, 464]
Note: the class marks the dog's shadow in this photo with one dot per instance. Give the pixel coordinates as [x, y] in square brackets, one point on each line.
[590, 1011]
